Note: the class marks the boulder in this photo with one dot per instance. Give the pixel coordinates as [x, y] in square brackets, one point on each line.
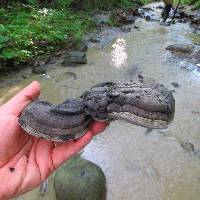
[80, 179]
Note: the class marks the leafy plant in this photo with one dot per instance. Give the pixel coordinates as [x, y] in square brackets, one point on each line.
[25, 34]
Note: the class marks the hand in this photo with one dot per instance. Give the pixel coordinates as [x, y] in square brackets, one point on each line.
[26, 161]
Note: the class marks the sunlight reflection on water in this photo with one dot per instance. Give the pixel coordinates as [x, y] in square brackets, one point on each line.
[118, 54]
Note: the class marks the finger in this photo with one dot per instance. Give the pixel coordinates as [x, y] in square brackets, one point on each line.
[66, 150]
[97, 127]
[17, 103]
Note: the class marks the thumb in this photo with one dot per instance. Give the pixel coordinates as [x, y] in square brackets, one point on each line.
[17, 103]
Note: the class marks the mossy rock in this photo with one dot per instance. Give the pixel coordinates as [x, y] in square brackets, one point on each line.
[80, 179]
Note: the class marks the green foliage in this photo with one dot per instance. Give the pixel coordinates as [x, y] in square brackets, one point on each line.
[25, 34]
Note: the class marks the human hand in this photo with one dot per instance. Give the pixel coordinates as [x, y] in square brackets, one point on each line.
[26, 161]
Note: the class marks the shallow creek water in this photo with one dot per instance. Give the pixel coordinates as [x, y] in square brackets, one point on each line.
[139, 165]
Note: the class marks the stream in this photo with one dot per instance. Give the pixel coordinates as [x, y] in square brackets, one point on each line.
[139, 164]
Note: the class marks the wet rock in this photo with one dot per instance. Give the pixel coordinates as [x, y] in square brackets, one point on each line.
[181, 48]
[136, 27]
[187, 53]
[80, 179]
[74, 58]
[81, 46]
[148, 17]
[133, 12]
[95, 39]
[140, 77]
[176, 85]
[147, 9]
[141, 11]
[121, 17]
[159, 7]
[45, 76]
[195, 112]
[129, 19]
[126, 29]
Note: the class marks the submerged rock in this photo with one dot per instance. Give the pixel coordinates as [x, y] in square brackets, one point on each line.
[188, 146]
[176, 85]
[70, 76]
[74, 57]
[80, 179]
[181, 48]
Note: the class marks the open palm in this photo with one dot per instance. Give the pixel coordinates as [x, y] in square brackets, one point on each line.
[26, 161]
